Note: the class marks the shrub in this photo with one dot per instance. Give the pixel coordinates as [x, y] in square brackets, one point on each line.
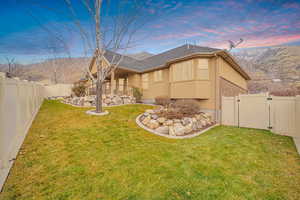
[180, 109]
[186, 107]
[171, 114]
[79, 90]
[162, 100]
[136, 92]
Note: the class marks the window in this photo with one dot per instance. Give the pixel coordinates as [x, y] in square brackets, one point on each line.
[183, 71]
[145, 81]
[158, 75]
[202, 70]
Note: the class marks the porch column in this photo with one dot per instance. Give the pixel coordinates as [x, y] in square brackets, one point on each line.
[112, 83]
[117, 85]
[125, 86]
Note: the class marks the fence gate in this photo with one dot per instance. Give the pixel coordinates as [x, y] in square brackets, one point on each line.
[261, 111]
[254, 111]
[283, 115]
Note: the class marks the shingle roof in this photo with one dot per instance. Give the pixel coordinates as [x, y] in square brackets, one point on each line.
[182, 51]
[159, 59]
[126, 62]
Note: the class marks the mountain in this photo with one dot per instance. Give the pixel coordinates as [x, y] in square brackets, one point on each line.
[272, 69]
[61, 70]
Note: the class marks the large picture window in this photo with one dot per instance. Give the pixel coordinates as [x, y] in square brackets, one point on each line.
[158, 75]
[145, 81]
[183, 71]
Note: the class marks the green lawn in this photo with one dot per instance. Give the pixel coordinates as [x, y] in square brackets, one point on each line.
[70, 155]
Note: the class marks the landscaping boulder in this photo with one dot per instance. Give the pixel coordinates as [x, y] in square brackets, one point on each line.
[146, 120]
[163, 130]
[188, 128]
[177, 129]
[126, 101]
[203, 122]
[186, 120]
[168, 123]
[107, 101]
[117, 100]
[81, 102]
[161, 120]
[153, 124]
[154, 117]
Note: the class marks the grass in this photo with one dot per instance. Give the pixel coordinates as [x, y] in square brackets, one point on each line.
[70, 155]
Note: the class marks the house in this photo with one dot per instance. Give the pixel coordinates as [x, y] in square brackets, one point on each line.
[185, 72]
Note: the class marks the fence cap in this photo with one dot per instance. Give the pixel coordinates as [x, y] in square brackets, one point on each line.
[256, 94]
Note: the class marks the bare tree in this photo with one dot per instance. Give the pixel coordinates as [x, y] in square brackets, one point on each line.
[12, 67]
[53, 63]
[117, 37]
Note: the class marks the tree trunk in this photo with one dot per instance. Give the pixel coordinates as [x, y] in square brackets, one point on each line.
[99, 51]
[99, 96]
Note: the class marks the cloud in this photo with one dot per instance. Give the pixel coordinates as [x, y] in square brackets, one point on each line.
[259, 41]
[179, 35]
[213, 31]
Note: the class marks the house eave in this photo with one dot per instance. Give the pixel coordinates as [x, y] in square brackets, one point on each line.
[229, 58]
[180, 59]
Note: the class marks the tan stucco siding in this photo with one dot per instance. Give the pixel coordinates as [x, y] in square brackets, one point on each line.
[157, 88]
[191, 89]
[199, 86]
[134, 80]
[210, 102]
[228, 73]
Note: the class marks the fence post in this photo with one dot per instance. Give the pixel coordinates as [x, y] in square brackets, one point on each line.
[237, 106]
[297, 128]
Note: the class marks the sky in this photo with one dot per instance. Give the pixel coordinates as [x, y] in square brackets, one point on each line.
[31, 30]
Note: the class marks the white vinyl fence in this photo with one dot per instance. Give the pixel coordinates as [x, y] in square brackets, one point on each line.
[281, 115]
[58, 90]
[19, 103]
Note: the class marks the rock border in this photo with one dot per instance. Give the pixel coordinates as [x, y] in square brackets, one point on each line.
[95, 106]
[92, 112]
[141, 125]
[108, 106]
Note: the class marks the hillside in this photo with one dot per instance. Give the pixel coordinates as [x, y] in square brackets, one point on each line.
[272, 68]
[67, 70]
